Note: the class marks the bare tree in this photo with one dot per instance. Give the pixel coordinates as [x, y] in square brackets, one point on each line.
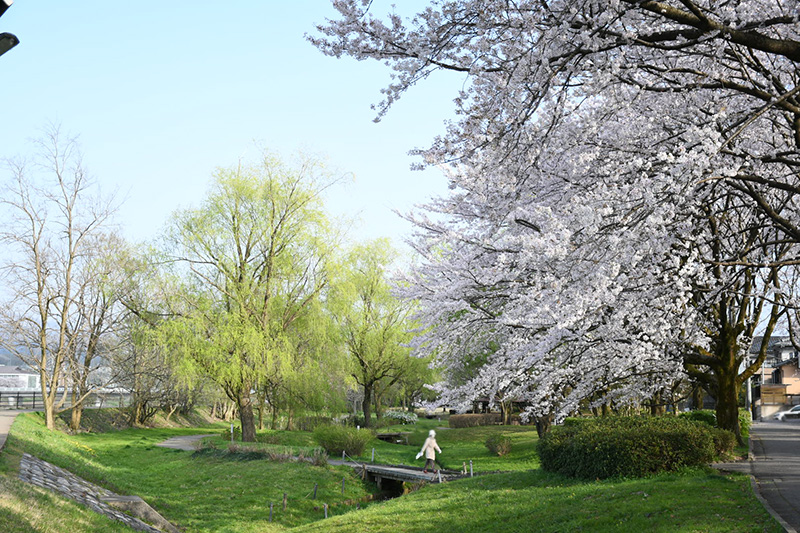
[50, 234]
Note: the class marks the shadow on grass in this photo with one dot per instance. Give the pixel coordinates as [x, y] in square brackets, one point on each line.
[13, 522]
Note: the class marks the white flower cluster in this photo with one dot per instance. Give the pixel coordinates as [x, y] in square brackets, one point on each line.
[623, 180]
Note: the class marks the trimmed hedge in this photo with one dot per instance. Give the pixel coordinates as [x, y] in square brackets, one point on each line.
[701, 415]
[336, 439]
[709, 417]
[474, 420]
[481, 419]
[599, 448]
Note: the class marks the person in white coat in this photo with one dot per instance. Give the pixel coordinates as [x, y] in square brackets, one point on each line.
[428, 450]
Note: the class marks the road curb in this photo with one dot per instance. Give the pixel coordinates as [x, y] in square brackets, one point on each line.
[768, 507]
[751, 456]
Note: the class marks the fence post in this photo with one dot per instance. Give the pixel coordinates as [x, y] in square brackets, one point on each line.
[325, 506]
[270, 511]
[373, 455]
[470, 468]
[284, 501]
[315, 492]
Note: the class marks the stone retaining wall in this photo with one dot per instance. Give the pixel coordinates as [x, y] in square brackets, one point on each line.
[42, 474]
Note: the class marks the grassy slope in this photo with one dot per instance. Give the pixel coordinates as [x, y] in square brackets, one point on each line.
[25, 509]
[536, 502]
[212, 493]
[199, 492]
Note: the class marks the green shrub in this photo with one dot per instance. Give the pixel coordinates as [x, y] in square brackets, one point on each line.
[598, 448]
[499, 444]
[724, 442]
[701, 415]
[353, 421]
[237, 433]
[336, 439]
[310, 423]
[745, 420]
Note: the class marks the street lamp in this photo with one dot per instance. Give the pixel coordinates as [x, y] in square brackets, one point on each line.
[7, 40]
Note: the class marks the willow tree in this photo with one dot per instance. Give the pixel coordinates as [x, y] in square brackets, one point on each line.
[255, 260]
[374, 323]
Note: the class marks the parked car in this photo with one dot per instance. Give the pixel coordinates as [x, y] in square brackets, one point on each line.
[794, 412]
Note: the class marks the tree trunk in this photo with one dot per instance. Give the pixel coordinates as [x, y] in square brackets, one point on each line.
[75, 417]
[366, 405]
[543, 424]
[697, 397]
[657, 405]
[505, 413]
[49, 412]
[376, 400]
[274, 423]
[246, 416]
[728, 401]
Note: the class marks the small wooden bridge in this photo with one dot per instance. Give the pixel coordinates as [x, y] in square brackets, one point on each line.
[402, 473]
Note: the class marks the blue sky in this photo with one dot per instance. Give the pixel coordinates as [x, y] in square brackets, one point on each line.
[159, 94]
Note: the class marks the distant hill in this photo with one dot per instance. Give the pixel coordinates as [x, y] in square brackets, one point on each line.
[6, 358]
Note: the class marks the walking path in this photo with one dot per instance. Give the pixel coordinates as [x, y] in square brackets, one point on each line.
[184, 442]
[6, 419]
[775, 467]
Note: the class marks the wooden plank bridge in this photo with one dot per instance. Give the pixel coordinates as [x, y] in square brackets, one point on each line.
[402, 473]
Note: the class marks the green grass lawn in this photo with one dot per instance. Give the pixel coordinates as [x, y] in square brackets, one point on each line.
[534, 501]
[213, 491]
[199, 492]
[459, 447]
[25, 509]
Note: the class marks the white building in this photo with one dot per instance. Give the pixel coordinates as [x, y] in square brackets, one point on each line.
[18, 379]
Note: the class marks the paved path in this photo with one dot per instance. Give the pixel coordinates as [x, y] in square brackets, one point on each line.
[775, 447]
[184, 442]
[6, 419]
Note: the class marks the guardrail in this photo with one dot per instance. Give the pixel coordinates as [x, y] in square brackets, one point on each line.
[33, 400]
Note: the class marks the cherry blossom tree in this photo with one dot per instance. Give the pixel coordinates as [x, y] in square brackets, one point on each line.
[623, 178]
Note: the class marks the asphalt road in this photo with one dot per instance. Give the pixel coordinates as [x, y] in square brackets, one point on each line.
[775, 465]
[776, 448]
